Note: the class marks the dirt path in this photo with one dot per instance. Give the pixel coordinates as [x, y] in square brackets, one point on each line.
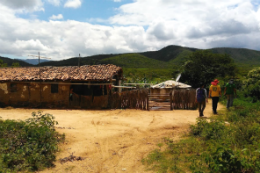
[112, 141]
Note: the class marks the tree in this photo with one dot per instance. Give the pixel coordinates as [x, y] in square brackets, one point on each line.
[203, 66]
[251, 85]
[16, 64]
[2, 64]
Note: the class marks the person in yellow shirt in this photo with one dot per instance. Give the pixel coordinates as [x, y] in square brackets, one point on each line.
[215, 93]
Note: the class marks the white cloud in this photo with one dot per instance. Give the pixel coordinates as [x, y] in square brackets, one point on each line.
[73, 4]
[54, 2]
[56, 17]
[138, 26]
[24, 5]
[117, 0]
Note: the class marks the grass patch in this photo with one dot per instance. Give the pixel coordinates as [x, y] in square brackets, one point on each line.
[214, 146]
[28, 145]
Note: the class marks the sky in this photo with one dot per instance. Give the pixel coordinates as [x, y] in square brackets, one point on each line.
[61, 29]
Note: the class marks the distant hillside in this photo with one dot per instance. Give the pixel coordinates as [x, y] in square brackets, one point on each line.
[173, 55]
[243, 56]
[135, 61]
[168, 53]
[34, 61]
[163, 63]
[163, 58]
[167, 59]
[11, 61]
[90, 60]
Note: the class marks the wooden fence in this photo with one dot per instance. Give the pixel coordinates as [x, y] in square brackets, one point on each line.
[135, 99]
[183, 99]
[139, 99]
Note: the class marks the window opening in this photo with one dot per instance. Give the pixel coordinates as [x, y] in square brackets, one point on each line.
[54, 88]
[13, 87]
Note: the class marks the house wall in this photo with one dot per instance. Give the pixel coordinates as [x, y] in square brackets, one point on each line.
[36, 94]
[33, 95]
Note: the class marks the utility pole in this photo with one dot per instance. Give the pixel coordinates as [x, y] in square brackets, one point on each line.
[39, 58]
[79, 61]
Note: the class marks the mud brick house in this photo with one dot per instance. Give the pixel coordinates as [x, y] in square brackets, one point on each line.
[58, 87]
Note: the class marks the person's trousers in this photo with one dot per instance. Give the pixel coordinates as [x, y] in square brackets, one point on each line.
[201, 106]
[230, 99]
[215, 104]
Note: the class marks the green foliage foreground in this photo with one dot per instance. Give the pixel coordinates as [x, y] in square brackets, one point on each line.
[28, 145]
[228, 143]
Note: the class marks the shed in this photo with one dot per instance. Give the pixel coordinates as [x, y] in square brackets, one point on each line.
[167, 87]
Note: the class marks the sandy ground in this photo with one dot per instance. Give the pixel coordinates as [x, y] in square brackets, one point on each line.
[112, 141]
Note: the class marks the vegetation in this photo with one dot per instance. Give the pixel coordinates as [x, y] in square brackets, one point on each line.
[228, 143]
[2, 64]
[135, 61]
[203, 66]
[10, 62]
[16, 64]
[252, 84]
[144, 75]
[28, 145]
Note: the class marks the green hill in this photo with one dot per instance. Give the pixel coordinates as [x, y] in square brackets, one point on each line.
[90, 60]
[155, 64]
[11, 61]
[135, 61]
[168, 53]
[241, 56]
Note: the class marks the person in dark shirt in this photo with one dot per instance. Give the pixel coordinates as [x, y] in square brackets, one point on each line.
[201, 98]
[230, 92]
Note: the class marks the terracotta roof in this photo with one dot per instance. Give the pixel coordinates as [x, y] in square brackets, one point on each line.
[82, 73]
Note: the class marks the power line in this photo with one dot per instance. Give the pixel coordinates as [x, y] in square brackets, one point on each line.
[39, 57]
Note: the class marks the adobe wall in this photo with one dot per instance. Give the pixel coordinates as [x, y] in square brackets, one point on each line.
[33, 95]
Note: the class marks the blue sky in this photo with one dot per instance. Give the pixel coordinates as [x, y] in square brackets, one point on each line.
[62, 29]
[89, 9]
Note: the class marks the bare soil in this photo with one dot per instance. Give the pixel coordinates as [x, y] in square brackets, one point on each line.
[112, 141]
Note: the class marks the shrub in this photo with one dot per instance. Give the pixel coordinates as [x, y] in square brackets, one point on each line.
[28, 145]
[208, 130]
[197, 129]
[247, 133]
[252, 84]
[214, 130]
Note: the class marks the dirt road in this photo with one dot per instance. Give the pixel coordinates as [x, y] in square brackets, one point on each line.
[112, 141]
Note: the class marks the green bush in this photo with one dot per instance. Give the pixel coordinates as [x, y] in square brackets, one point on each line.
[214, 130]
[251, 85]
[197, 129]
[247, 133]
[224, 160]
[28, 145]
[208, 130]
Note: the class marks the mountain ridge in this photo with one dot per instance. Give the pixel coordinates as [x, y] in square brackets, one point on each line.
[166, 57]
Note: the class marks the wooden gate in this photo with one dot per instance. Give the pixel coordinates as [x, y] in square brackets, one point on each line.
[175, 99]
[160, 101]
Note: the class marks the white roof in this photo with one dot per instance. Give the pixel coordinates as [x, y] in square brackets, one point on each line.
[171, 84]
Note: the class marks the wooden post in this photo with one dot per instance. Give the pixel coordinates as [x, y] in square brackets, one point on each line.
[39, 59]
[79, 61]
[171, 101]
[148, 102]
